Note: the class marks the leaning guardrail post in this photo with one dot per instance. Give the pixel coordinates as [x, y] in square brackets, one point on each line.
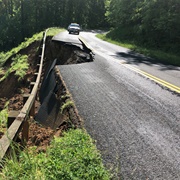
[25, 98]
[25, 131]
[20, 123]
[32, 111]
[11, 117]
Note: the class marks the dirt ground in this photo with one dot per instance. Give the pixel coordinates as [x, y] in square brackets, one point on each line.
[12, 91]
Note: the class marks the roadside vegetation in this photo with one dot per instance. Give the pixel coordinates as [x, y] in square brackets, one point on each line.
[17, 24]
[66, 105]
[4, 56]
[73, 156]
[151, 27]
[19, 63]
[19, 66]
[159, 55]
[3, 119]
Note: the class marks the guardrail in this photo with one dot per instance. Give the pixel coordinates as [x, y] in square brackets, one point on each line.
[17, 122]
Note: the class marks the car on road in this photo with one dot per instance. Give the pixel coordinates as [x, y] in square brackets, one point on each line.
[74, 28]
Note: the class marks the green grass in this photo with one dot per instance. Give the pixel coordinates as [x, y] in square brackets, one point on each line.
[53, 31]
[71, 157]
[36, 37]
[161, 56]
[19, 66]
[4, 56]
[66, 96]
[4, 117]
[67, 105]
[20, 63]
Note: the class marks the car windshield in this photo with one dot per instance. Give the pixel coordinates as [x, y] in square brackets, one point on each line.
[74, 25]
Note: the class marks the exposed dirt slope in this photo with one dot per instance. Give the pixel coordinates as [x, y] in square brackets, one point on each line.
[12, 90]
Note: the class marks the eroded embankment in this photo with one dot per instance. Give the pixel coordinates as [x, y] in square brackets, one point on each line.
[54, 103]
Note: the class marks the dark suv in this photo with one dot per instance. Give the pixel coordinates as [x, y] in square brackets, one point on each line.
[74, 28]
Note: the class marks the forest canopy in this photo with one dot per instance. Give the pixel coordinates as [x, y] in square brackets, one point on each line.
[152, 23]
[22, 18]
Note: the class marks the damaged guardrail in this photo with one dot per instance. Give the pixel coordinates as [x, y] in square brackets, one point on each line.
[17, 121]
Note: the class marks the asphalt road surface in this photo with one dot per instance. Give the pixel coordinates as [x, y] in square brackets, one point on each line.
[134, 120]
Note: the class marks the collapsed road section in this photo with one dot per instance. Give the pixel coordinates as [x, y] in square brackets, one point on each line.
[52, 94]
[23, 101]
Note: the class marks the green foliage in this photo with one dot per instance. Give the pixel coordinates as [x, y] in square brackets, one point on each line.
[74, 156]
[54, 30]
[4, 117]
[20, 63]
[151, 23]
[115, 40]
[17, 23]
[67, 105]
[5, 56]
[160, 55]
[66, 96]
[36, 37]
[19, 66]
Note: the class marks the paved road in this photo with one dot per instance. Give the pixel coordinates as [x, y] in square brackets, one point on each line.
[168, 73]
[135, 121]
[67, 38]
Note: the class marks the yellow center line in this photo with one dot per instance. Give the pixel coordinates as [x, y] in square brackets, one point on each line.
[158, 80]
[143, 73]
[85, 42]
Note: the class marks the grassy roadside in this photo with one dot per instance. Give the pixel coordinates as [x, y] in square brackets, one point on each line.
[157, 54]
[3, 118]
[73, 156]
[19, 63]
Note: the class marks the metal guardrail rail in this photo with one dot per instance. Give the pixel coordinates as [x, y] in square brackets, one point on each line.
[20, 122]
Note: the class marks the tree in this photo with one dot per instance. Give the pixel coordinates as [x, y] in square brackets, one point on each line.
[153, 23]
[21, 18]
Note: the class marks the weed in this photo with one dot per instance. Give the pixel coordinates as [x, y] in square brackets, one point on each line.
[19, 66]
[1, 71]
[67, 105]
[66, 96]
[73, 156]
[54, 30]
[4, 117]
[157, 54]
[36, 37]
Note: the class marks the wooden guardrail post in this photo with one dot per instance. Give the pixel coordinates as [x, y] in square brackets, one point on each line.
[25, 125]
[32, 111]
[32, 85]
[25, 131]
[11, 117]
[25, 98]
[35, 77]
[20, 123]
[37, 67]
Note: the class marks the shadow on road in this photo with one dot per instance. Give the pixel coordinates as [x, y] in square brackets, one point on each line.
[132, 57]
